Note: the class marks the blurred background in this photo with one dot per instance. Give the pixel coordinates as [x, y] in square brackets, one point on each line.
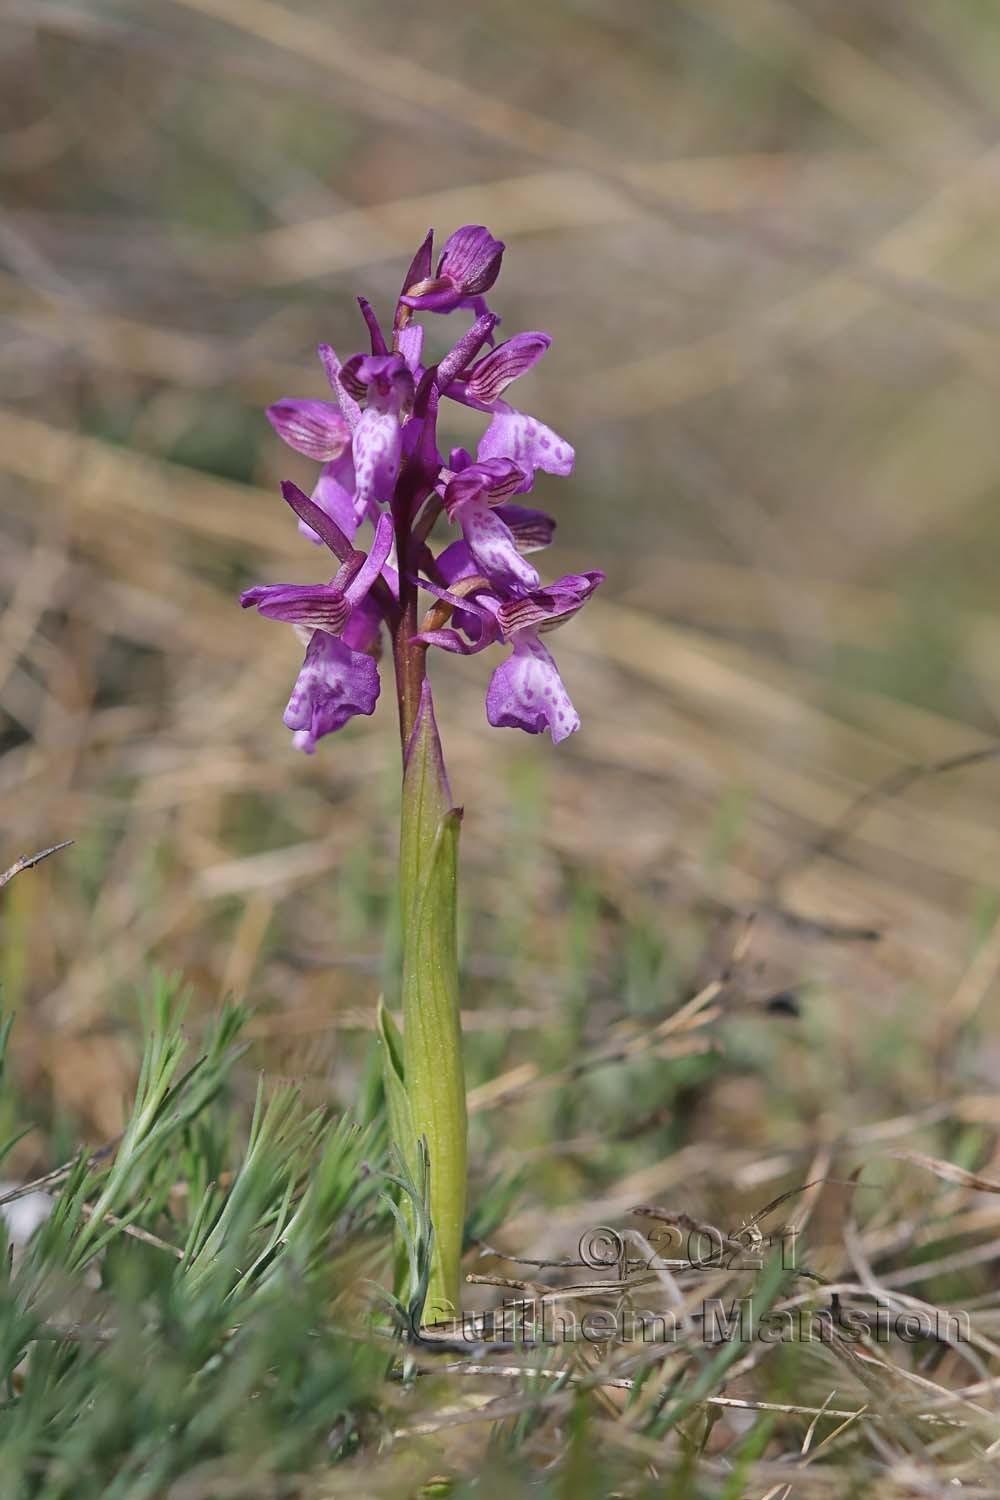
[763, 235]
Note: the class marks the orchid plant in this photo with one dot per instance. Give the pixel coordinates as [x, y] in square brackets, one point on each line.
[378, 447]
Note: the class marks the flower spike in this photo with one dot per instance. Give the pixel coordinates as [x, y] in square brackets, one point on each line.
[377, 447]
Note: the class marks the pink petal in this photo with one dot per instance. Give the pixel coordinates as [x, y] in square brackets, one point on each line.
[526, 692]
[334, 494]
[315, 428]
[314, 606]
[492, 546]
[333, 685]
[513, 434]
[377, 449]
[373, 563]
[546, 608]
[531, 529]
[331, 364]
[470, 258]
[491, 376]
[411, 344]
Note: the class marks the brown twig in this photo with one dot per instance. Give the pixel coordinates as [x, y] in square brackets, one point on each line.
[893, 785]
[29, 861]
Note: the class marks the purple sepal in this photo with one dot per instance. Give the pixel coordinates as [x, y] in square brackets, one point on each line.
[314, 428]
[492, 481]
[531, 529]
[411, 346]
[379, 345]
[331, 365]
[334, 684]
[526, 692]
[468, 346]
[471, 259]
[334, 494]
[317, 520]
[316, 606]
[491, 375]
[372, 565]
[420, 269]
[547, 608]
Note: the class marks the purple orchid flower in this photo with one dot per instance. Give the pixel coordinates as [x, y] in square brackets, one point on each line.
[469, 265]
[387, 381]
[337, 680]
[512, 434]
[526, 691]
[470, 496]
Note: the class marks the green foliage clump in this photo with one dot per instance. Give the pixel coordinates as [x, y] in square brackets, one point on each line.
[194, 1305]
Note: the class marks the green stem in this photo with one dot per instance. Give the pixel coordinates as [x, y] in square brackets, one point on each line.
[432, 1045]
[432, 1070]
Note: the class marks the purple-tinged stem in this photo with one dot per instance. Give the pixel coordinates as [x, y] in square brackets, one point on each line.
[409, 656]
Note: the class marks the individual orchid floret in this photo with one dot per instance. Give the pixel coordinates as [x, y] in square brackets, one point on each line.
[547, 608]
[526, 691]
[337, 680]
[470, 497]
[387, 382]
[512, 433]
[532, 530]
[468, 267]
